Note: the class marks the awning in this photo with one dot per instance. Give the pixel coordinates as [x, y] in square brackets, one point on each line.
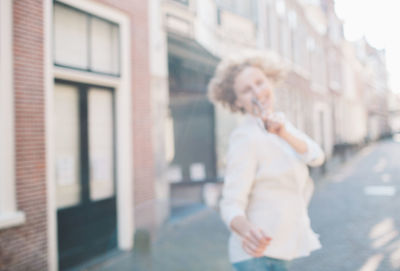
[191, 50]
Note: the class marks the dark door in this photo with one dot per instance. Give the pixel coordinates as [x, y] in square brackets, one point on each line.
[85, 172]
[193, 118]
[194, 139]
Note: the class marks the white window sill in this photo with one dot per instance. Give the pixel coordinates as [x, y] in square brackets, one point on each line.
[11, 219]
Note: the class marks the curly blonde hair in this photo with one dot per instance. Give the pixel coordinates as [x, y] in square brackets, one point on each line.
[220, 88]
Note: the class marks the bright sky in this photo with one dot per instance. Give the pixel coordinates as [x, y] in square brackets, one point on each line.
[379, 22]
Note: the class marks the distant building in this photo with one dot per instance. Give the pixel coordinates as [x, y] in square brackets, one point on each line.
[376, 91]
[394, 112]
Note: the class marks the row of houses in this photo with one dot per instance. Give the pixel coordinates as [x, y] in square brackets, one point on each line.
[105, 123]
[336, 91]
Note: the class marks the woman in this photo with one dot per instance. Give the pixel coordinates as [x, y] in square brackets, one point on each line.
[267, 185]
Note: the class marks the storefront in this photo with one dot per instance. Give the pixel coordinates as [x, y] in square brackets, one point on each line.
[194, 161]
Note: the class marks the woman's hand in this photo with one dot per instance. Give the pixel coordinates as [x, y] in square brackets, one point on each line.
[254, 240]
[274, 124]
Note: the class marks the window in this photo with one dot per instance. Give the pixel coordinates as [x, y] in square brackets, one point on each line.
[312, 53]
[240, 7]
[284, 43]
[83, 166]
[281, 12]
[85, 42]
[299, 46]
[100, 104]
[274, 34]
[280, 36]
[317, 64]
[335, 71]
[268, 40]
[280, 8]
[66, 113]
[8, 214]
[314, 2]
[184, 2]
[292, 21]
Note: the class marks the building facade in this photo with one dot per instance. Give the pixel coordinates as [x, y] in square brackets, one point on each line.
[376, 90]
[394, 112]
[77, 159]
[325, 93]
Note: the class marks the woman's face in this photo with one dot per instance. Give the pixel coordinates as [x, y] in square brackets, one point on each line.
[252, 83]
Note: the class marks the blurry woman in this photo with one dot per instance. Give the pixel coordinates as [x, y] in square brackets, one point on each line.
[267, 184]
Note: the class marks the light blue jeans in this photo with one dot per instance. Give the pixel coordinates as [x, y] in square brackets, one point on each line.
[262, 264]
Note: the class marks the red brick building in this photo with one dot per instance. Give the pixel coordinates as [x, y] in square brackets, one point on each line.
[75, 146]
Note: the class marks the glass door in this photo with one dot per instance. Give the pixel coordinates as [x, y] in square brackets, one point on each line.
[85, 171]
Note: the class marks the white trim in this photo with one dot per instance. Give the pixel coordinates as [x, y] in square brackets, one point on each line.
[11, 219]
[52, 244]
[122, 85]
[100, 10]
[326, 142]
[8, 207]
[125, 189]
[85, 77]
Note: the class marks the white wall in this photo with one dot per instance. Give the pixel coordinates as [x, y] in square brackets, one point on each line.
[160, 100]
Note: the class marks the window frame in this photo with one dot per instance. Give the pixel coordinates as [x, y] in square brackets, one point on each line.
[9, 216]
[233, 7]
[89, 17]
[182, 2]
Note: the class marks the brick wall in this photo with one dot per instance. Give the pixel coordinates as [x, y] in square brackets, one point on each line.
[144, 175]
[25, 247]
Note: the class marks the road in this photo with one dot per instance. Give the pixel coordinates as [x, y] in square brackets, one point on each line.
[355, 210]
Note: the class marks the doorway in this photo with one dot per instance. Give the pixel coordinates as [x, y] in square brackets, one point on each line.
[84, 122]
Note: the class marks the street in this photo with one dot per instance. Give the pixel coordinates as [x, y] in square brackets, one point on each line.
[356, 213]
[354, 210]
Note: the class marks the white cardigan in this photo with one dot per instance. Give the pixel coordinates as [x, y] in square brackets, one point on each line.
[268, 182]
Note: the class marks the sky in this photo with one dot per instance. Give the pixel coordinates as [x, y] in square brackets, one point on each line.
[379, 22]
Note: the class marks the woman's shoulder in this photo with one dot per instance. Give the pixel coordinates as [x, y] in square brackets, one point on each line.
[246, 132]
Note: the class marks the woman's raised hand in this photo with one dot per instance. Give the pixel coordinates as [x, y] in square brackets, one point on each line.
[272, 122]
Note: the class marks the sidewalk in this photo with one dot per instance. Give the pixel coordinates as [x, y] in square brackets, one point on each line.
[194, 243]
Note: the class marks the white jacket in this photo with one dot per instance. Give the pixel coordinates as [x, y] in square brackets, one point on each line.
[269, 183]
